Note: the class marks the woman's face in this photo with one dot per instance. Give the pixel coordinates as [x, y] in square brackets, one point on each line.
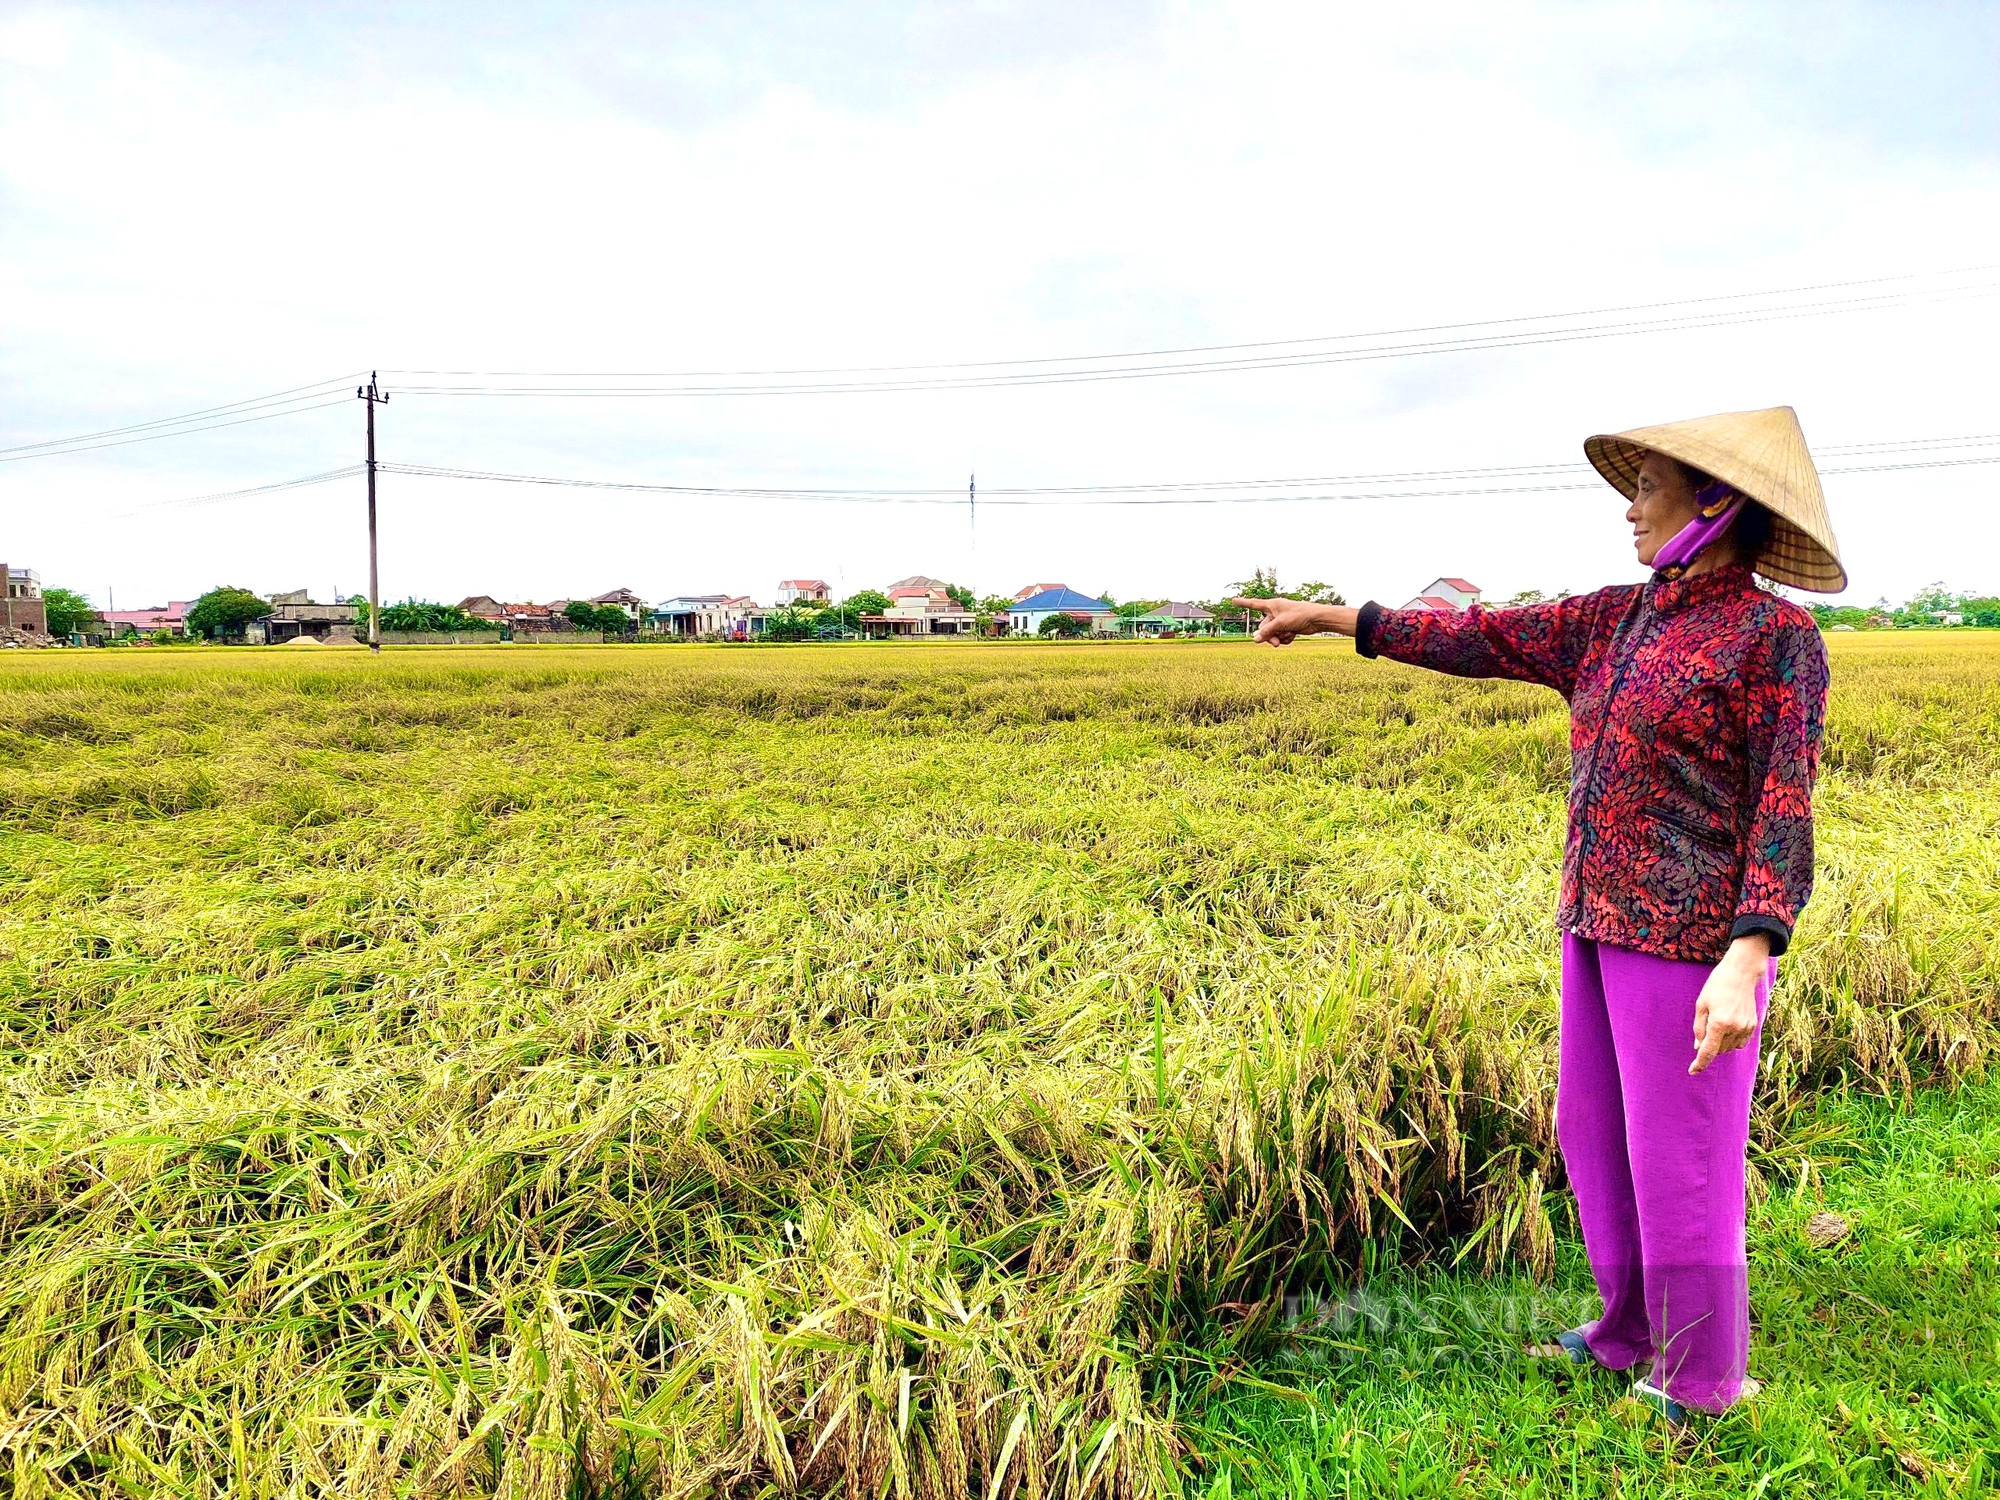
[1665, 503]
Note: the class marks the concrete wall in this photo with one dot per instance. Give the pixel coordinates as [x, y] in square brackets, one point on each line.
[436, 638]
[490, 637]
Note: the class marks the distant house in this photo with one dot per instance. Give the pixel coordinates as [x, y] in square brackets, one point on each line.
[1446, 594]
[922, 582]
[1026, 617]
[804, 591]
[686, 615]
[528, 616]
[1172, 616]
[171, 618]
[484, 607]
[735, 617]
[21, 606]
[1029, 590]
[635, 607]
[920, 611]
[294, 614]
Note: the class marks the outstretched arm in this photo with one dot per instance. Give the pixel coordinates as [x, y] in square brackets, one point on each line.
[1285, 620]
[1541, 643]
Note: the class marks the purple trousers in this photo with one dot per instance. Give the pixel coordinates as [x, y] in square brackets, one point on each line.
[1655, 1157]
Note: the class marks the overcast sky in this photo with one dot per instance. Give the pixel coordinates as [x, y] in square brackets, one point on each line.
[205, 203]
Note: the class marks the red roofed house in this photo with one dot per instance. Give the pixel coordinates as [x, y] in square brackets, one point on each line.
[530, 616]
[920, 606]
[1029, 590]
[171, 618]
[1446, 594]
[806, 590]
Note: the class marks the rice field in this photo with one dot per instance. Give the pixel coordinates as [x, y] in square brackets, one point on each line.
[888, 1071]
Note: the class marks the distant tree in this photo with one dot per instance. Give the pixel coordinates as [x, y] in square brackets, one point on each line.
[1226, 617]
[794, 622]
[423, 617]
[991, 615]
[849, 611]
[1934, 600]
[1131, 609]
[1984, 610]
[962, 595]
[609, 618]
[1261, 584]
[67, 611]
[1923, 608]
[1529, 596]
[1067, 626]
[224, 610]
[1830, 615]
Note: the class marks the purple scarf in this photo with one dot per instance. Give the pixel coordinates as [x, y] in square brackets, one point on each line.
[1719, 506]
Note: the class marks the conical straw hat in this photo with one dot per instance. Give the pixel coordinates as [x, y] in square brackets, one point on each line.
[1761, 454]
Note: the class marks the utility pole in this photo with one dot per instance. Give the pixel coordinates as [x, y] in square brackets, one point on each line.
[371, 394]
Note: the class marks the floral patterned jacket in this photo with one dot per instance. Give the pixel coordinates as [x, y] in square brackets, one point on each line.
[1695, 715]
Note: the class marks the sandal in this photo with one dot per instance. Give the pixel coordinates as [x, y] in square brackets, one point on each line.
[1655, 1398]
[1569, 1345]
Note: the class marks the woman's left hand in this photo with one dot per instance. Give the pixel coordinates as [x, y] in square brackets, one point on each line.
[1726, 1013]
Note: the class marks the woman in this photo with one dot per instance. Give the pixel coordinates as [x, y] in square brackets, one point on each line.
[1696, 704]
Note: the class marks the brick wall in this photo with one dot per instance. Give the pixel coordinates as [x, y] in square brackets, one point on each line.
[29, 615]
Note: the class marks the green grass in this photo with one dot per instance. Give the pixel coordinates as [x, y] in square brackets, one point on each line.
[1880, 1355]
[875, 1071]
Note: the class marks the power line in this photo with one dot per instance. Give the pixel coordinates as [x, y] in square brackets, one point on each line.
[261, 489]
[1074, 375]
[318, 387]
[77, 445]
[1208, 348]
[1213, 493]
[1210, 491]
[1510, 333]
[1973, 441]
[1940, 463]
[943, 498]
[769, 492]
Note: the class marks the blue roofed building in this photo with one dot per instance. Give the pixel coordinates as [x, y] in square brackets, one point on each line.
[1026, 617]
